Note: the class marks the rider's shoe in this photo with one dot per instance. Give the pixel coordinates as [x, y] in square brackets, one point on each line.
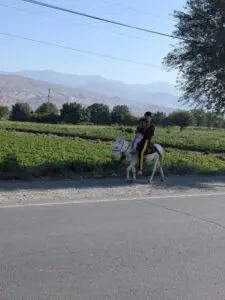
[140, 173]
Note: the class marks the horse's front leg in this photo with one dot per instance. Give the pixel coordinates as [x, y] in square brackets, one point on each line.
[155, 164]
[134, 171]
[128, 171]
[131, 167]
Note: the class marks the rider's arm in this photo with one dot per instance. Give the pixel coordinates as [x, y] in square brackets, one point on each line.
[149, 133]
[135, 135]
[145, 144]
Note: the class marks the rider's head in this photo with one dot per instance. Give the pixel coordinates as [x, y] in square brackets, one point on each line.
[148, 116]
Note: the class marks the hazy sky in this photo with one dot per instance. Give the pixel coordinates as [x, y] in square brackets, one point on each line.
[39, 23]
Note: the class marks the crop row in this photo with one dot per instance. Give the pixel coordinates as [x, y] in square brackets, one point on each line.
[190, 139]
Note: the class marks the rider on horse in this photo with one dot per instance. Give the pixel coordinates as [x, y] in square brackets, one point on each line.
[138, 135]
[144, 147]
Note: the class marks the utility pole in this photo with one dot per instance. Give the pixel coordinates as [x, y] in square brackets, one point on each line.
[49, 95]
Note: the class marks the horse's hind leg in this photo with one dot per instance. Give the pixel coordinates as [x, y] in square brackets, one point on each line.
[161, 171]
[128, 171]
[134, 171]
[132, 168]
[155, 164]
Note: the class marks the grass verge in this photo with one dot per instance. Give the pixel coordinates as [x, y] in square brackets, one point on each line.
[28, 157]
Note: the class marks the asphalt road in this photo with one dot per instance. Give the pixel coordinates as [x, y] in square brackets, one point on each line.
[122, 250]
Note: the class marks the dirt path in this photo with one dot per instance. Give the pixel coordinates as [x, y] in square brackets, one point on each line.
[37, 192]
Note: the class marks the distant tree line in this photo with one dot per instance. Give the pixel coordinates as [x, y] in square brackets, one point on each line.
[100, 114]
[195, 117]
[71, 113]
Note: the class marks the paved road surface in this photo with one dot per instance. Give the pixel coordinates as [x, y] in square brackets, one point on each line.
[125, 250]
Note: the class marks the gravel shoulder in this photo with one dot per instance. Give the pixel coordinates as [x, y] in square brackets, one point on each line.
[72, 190]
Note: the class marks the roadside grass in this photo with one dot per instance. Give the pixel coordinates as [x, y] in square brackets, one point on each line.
[33, 156]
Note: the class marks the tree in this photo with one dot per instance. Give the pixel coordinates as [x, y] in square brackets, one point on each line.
[85, 115]
[214, 120]
[199, 116]
[181, 118]
[4, 112]
[199, 56]
[72, 113]
[47, 109]
[99, 113]
[210, 119]
[218, 122]
[121, 114]
[159, 118]
[20, 112]
[167, 121]
[132, 120]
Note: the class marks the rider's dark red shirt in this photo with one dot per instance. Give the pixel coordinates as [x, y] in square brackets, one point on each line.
[148, 135]
[149, 132]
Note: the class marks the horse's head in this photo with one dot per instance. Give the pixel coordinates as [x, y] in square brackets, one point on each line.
[119, 147]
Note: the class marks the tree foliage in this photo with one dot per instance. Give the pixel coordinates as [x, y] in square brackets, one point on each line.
[20, 112]
[47, 109]
[199, 56]
[72, 113]
[4, 112]
[99, 113]
[121, 114]
[159, 118]
[199, 116]
[182, 118]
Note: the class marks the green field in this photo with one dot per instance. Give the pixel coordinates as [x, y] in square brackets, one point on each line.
[189, 139]
[26, 156]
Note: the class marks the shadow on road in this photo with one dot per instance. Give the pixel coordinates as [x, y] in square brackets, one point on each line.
[181, 183]
[37, 178]
[210, 183]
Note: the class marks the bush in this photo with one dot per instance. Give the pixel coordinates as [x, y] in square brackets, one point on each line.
[129, 130]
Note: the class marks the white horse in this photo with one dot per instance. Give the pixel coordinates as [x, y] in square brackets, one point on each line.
[122, 147]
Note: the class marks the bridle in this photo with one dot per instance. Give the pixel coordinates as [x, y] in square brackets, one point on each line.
[123, 152]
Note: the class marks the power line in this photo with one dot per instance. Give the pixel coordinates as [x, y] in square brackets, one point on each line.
[77, 50]
[131, 8]
[100, 19]
[67, 21]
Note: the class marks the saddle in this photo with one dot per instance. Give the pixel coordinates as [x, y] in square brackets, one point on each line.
[150, 149]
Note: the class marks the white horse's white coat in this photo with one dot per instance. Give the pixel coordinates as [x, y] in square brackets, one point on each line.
[123, 147]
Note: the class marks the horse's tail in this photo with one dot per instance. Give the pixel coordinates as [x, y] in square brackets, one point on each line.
[161, 156]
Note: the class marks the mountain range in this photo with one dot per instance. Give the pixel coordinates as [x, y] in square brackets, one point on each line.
[32, 86]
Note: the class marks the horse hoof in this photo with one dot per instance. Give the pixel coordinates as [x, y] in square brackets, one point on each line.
[162, 180]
